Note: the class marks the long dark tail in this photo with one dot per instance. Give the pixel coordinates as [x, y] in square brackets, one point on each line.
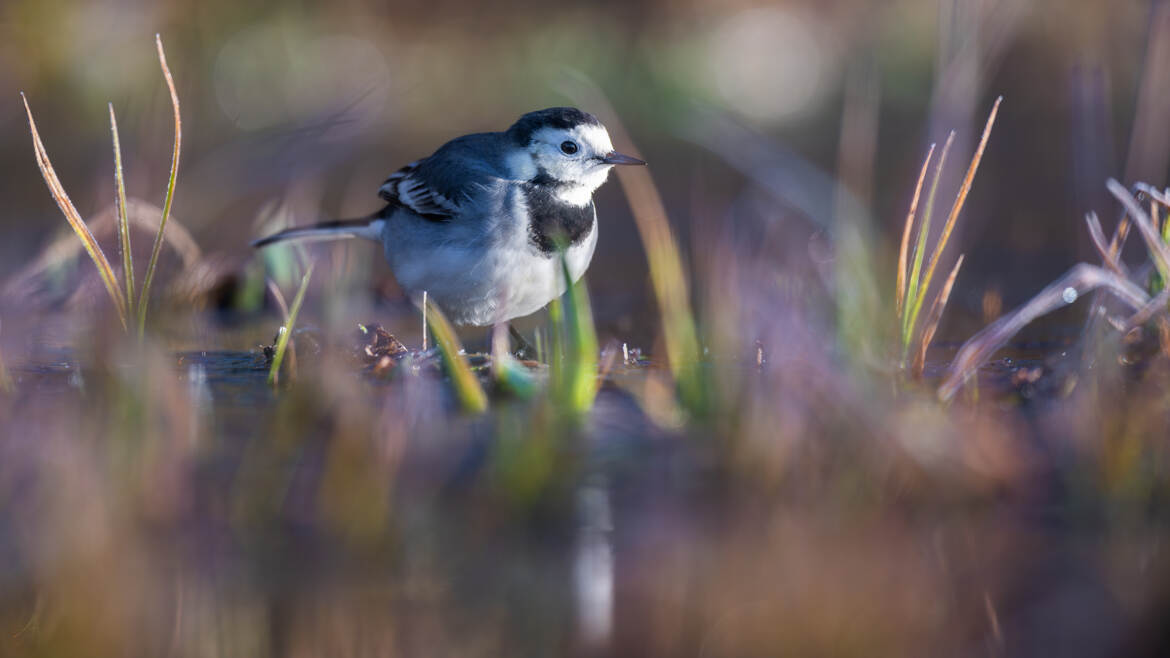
[369, 228]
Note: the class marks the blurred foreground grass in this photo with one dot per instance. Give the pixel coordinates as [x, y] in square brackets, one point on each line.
[756, 487]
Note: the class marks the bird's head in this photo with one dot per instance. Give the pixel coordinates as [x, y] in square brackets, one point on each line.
[565, 148]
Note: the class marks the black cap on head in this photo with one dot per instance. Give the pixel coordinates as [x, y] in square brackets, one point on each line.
[553, 117]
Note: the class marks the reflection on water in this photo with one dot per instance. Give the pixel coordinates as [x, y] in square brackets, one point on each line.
[593, 564]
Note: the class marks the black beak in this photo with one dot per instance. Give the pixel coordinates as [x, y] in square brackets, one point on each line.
[615, 158]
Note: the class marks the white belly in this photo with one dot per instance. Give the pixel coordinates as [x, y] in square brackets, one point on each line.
[481, 286]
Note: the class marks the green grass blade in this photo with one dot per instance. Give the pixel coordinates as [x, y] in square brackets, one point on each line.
[509, 373]
[556, 345]
[123, 221]
[1165, 224]
[287, 329]
[580, 341]
[468, 390]
[912, 288]
[74, 218]
[148, 278]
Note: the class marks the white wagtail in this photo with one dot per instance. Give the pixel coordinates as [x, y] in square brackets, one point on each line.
[478, 224]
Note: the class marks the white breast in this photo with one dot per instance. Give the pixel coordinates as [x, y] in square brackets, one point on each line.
[483, 276]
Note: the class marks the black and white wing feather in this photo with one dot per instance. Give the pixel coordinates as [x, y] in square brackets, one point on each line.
[407, 188]
[437, 187]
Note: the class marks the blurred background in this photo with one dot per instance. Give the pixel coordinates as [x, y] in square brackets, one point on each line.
[749, 112]
[160, 498]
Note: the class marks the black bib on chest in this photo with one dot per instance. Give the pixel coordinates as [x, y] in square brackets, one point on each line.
[552, 221]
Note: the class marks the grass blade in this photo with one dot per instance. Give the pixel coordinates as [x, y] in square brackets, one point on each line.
[468, 390]
[912, 288]
[74, 218]
[6, 383]
[509, 374]
[579, 378]
[956, 208]
[667, 274]
[122, 219]
[932, 320]
[900, 290]
[287, 329]
[1165, 225]
[959, 200]
[148, 278]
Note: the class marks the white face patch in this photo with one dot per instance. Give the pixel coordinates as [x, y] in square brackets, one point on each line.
[581, 172]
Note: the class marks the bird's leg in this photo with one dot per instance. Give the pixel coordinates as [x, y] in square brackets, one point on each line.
[523, 351]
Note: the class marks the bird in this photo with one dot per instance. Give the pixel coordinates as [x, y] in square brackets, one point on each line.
[480, 224]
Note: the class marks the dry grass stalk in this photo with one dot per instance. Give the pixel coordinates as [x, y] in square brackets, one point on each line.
[123, 222]
[934, 317]
[141, 214]
[913, 283]
[1159, 250]
[900, 290]
[74, 218]
[1106, 251]
[914, 290]
[148, 279]
[1081, 279]
[964, 190]
[1152, 308]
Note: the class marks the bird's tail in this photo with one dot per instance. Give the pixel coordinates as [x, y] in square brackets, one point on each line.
[369, 228]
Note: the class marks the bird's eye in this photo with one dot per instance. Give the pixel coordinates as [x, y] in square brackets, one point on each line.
[568, 148]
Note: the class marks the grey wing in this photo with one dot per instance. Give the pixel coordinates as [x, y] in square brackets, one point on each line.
[437, 187]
